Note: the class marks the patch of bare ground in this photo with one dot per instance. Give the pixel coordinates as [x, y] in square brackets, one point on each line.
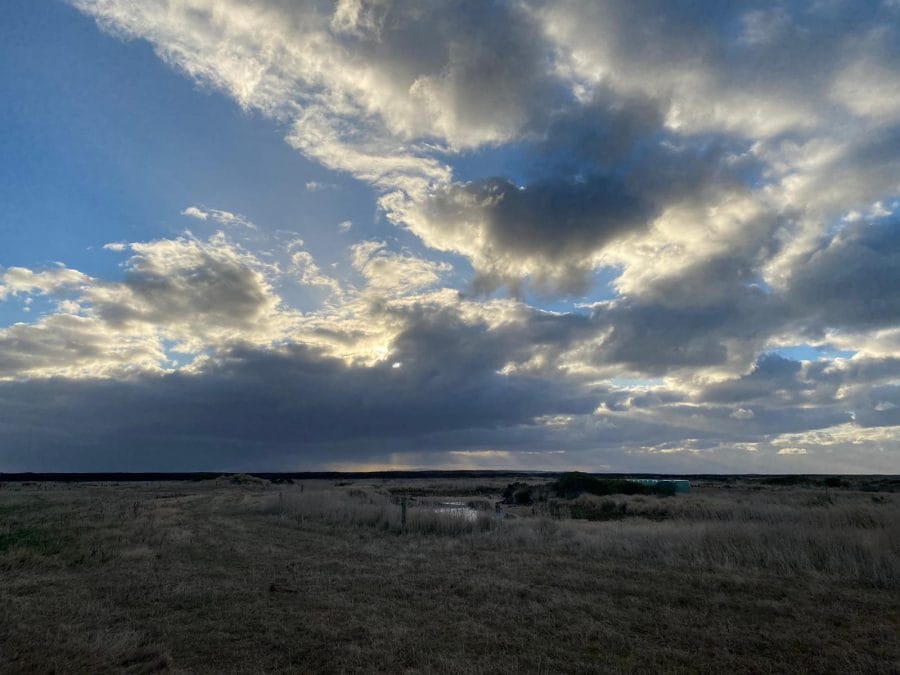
[244, 577]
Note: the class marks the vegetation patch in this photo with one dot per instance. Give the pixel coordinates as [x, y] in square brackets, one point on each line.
[575, 483]
[523, 494]
[799, 480]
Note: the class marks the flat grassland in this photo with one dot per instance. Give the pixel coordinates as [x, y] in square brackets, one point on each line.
[242, 575]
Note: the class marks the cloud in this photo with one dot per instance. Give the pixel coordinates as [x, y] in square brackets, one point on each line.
[620, 131]
[715, 339]
[793, 451]
[852, 280]
[195, 212]
[222, 217]
[843, 434]
[68, 345]
[549, 230]
[292, 399]
[317, 186]
[770, 377]
[603, 174]
[193, 293]
[727, 173]
[386, 271]
[310, 274]
[201, 286]
[22, 281]
[472, 375]
[764, 26]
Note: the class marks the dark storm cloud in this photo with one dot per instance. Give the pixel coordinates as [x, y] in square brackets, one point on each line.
[557, 222]
[878, 406]
[871, 370]
[600, 132]
[654, 339]
[772, 378]
[211, 283]
[292, 401]
[854, 280]
[561, 220]
[787, 396]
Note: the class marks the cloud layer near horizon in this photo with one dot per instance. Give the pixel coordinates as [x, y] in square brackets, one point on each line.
[732, 171]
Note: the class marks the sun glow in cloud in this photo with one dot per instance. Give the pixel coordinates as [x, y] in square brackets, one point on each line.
[732, 172]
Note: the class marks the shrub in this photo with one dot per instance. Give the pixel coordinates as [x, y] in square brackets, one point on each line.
[522, 496]
[510, 490]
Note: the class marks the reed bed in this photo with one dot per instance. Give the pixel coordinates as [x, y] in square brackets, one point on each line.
[844, 537]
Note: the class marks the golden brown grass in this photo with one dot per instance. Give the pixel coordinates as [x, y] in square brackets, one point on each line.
[247, 577]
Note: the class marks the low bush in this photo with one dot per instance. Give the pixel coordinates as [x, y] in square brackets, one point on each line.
[522, 496]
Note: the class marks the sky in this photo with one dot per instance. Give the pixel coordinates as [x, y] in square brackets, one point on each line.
[623, 235]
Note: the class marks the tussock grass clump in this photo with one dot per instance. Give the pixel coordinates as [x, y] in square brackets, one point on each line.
[863, 556]
[795, 534]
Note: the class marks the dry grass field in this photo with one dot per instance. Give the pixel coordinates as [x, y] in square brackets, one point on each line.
[322, 576]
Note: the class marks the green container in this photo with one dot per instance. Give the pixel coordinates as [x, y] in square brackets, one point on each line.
[679, 485]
